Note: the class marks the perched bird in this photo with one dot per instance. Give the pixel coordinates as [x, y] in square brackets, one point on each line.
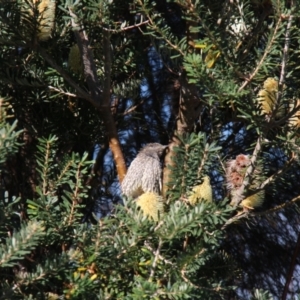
[253, 201]
[151, 204]
[145, 172]
[201, 191]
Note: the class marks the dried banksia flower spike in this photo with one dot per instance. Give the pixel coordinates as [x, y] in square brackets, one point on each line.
[235, 175]
[235, 171]
[145, 172]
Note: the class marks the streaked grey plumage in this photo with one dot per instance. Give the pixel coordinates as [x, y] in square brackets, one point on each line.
[145, 172]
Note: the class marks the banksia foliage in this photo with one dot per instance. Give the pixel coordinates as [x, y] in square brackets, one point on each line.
[201, 191]
[267, 98]
[145, 172]
[151, 205]
[235, 175]
[75, 61]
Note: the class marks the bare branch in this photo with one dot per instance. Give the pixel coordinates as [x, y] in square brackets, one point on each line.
[127, 28]
[90, 72]
[155, 260]
[131, 109]
[100, 98]
[284, 58]
[248, 214]
[277, 174]
[60, 91]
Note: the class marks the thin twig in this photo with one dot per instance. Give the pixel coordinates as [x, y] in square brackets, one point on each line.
[155, 260]
[127, 28]
[107, 68]
[284, 58]
[248, 214]
[218, 45]
[203, 160]
[60, 91]
[275, 175]
[221, 163]
[183, 272]
[131, 109]
[266, 52]
[154, 27]
[90, 71]
[166, 261]
[81, 93]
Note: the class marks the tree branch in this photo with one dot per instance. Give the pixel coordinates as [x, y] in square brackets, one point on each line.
[248, 214]
[81, 92]
[127, 28]
[275, 175]
[60, 91]
[101, 99]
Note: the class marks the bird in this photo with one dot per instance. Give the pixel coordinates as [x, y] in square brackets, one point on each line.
[145, 172]
[253, 201]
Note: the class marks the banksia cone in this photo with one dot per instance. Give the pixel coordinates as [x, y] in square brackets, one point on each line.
[267, 98]
[235, 171]
[75, 61]
[235, 175]
[151, 205]
[201, 191]
[145, 172]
